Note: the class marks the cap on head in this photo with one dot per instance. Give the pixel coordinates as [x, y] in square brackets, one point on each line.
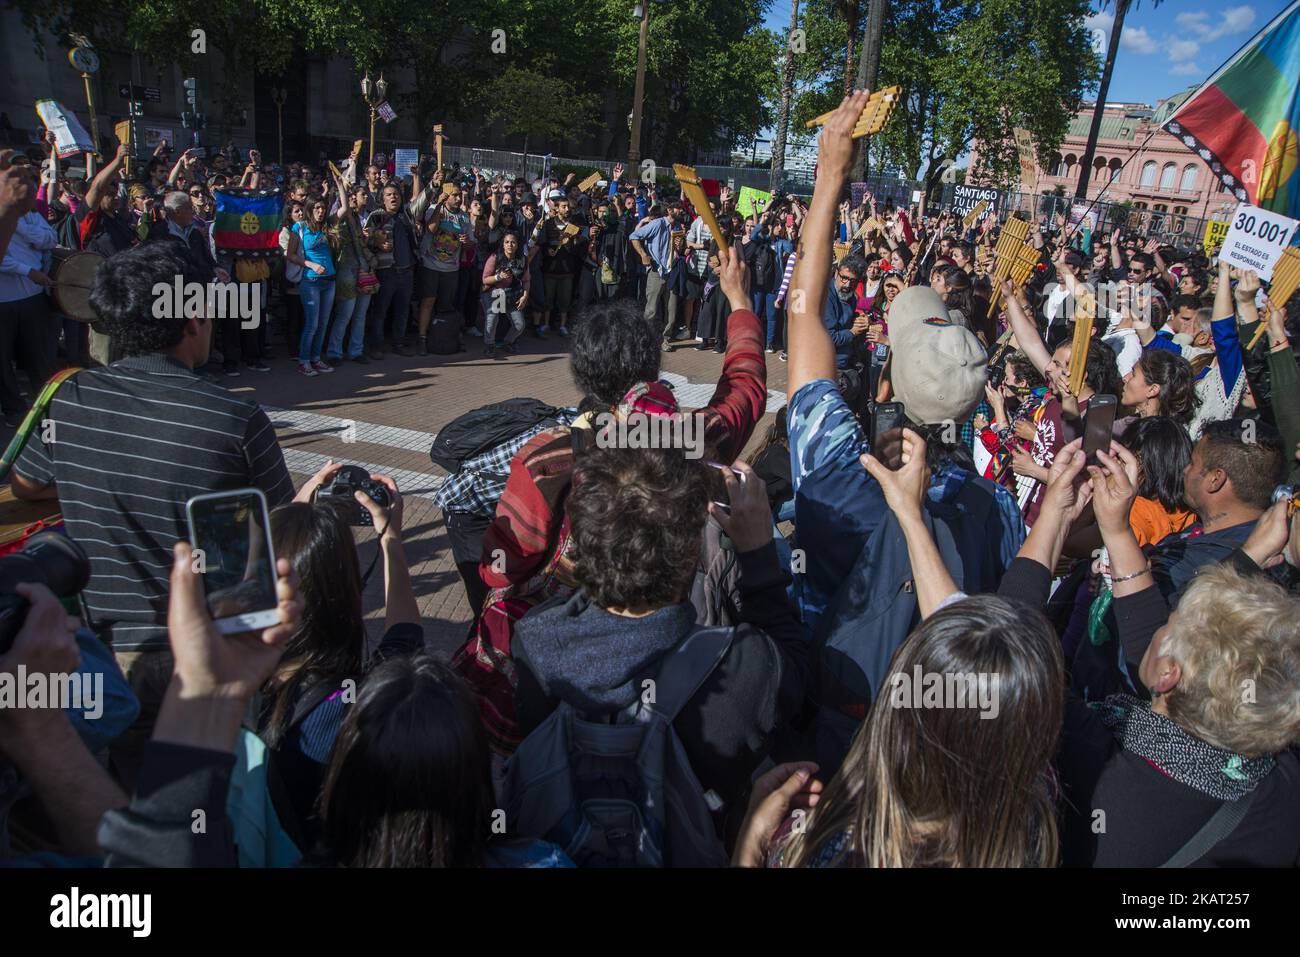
[939, 366]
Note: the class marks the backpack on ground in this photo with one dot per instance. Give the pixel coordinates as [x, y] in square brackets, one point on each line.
[622, 794]
[266, 829]
[444, 334]
[486, 427]
[875, 609]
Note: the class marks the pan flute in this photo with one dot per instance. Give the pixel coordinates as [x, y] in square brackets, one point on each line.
[974, 215]
[876, 113]
[1286, 278]
[690, 182]
[1013, 258]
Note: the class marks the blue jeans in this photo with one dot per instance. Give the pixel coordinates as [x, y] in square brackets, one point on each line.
[764, 304]
[354, 311]
[317, 296]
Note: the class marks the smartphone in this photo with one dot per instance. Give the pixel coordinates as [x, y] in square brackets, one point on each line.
[1098, 423]
[888, 415]
[723, 501]
[231, 536]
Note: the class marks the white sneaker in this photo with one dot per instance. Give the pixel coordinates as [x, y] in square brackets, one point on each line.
[322, 366]
[304, 368]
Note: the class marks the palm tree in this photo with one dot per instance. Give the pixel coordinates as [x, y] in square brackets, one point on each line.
[1112, 48]
[787, 93]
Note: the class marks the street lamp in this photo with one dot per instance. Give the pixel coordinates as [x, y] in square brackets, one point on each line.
[278, 96]
[642, 12]
[374, 93]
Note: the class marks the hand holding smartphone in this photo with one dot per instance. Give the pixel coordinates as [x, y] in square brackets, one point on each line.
[231, 536]
[1098, 425]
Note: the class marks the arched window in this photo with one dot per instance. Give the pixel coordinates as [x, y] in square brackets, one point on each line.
[1167, 176]
[1058, 166]
[1115, 167]
[1139, 205]
[1071, 161]
[1148, 174]
[1160, 208]
[1188, 182]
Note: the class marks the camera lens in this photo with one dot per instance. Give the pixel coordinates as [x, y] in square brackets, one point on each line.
[50, 559]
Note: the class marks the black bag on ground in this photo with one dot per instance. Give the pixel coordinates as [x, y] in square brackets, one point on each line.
[444, 334]
[486, 427]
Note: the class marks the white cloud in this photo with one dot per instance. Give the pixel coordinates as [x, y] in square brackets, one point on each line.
[1187, 68]
[1232, 20]
[1100, 21]
[1138, 40]
[1180, 50]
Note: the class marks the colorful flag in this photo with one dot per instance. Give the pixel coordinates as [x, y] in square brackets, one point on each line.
[1244, 119]
[248, 221]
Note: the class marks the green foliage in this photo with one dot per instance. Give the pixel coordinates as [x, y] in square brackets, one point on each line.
[970, 72]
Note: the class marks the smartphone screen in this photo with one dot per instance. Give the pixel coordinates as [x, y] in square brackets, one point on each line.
[231, 536]
[723, 496]
[888, 415]
[1098, 424]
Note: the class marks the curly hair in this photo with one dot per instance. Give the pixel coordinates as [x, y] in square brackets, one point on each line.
[637, 516]
[1230, 635]
[1101, 370]
[123, 296]
[613, 349]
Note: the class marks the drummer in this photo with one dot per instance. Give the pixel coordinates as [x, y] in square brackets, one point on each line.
[26, 331]
[103, 229]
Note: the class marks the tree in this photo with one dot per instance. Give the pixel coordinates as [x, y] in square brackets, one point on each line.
[552, 108]
[970, 73]
[787, 93]
[1099, 108]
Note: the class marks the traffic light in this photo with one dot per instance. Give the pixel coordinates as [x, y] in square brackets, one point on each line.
[192, 93]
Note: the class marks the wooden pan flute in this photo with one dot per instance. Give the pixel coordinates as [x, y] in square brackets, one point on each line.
[690, 182]
[880, 106]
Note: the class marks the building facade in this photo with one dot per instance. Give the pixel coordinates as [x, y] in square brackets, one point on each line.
[1160, 174]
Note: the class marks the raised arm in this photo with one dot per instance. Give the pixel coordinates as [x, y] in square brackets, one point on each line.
[811, 353]
[105, 179]
[1026, 332]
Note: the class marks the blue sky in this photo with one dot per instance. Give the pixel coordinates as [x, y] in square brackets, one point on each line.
[1162, 49]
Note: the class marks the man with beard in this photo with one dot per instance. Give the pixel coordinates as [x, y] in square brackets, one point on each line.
[837, 315]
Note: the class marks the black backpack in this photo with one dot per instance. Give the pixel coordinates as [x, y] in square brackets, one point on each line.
[762, 265]
[486, 427]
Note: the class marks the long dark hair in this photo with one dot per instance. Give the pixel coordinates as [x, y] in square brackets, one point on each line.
[942, 786]
[1173, 373]
[330, 642]
[1163, 448]
[409, 783]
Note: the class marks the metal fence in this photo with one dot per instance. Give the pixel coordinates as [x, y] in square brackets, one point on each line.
[1179, 231]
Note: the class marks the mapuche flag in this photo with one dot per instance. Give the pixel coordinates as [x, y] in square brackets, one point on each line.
[248, 221]
[1244, 119]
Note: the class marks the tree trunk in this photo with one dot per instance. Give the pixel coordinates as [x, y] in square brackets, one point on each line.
[787, 93]
[868, 69]
[1112, 48]
[851, 21]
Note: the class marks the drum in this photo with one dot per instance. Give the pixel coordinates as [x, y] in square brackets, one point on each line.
[73, 274]
[20, 520]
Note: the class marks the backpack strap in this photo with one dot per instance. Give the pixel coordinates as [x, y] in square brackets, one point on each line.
[32, 419]
[1221, 823]
[309, 700]
[684, 671]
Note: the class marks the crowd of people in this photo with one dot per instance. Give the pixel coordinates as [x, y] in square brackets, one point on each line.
[945, 612]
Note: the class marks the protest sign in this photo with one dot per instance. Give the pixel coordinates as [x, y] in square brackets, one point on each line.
[70, 137]
[857, 191]
[966, 198]
[752, 201]
[1215, 230]
[1081, 213]
[1257, 238]
[404, 159]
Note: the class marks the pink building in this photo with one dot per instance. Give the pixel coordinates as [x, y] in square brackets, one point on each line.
[1162, 176]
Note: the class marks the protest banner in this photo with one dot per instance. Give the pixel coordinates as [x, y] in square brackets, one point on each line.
[752, 201]
[1257, 238]
[70, 137]
[1215, 230]
[404, 159]
[966, 198]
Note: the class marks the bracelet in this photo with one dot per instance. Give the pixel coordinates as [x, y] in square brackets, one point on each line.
[1125, 578]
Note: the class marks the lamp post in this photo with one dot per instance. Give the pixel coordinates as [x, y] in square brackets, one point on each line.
[642, 12]
[374, 93]
[83, 58]
[278, 96]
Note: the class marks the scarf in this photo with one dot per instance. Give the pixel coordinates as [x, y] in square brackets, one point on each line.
[1178, 754]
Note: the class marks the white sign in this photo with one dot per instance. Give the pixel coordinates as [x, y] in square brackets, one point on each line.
[403, 160]
[70, 137]
[1081, 212]
[153, 134]
[916, 195]
[1257, 238]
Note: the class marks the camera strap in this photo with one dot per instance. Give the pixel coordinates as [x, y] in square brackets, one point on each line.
[365, 579]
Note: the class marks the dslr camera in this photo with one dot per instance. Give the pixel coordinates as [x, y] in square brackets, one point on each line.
[48, 558]
[340, 489]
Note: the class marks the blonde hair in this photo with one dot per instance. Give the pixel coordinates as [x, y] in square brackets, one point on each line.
[1236, 639]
